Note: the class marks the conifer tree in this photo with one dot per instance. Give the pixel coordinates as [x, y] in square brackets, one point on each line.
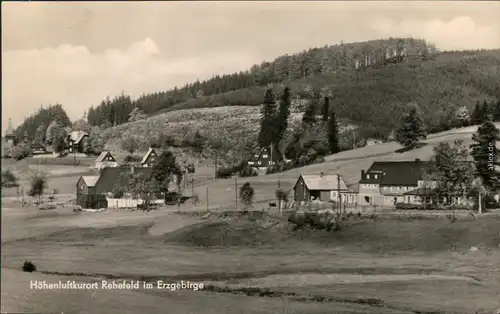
[309, 117]
[485, 154]
[333, 141]
[475, 119]
[268, 129]
[326, 109]
[411, 128]
[283, 114]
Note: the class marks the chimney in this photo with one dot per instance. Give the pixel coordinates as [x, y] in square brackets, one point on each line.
[321, 174]
[362, 174]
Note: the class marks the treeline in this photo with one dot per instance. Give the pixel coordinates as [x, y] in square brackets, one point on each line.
[36, 125]
[317, 61]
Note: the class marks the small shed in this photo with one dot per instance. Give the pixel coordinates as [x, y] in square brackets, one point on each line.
[105, 160]
[319, 187]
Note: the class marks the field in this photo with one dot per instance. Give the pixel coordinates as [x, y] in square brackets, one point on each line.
[253, 262]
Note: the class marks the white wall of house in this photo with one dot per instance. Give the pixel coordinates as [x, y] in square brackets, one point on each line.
[104, 164]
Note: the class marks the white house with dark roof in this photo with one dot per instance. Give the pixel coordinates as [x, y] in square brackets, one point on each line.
[149, 158]
[105, 160]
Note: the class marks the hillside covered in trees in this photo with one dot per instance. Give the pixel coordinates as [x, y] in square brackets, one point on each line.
[368, 82]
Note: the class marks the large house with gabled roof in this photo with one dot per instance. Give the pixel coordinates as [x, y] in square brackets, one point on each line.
[386, 183]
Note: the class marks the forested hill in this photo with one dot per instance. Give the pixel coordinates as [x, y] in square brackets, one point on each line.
[286, 68]
[369, 82]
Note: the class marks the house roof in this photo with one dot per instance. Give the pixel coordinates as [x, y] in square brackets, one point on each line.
[109, 177]
[90, 181]
[102, 156]
[77, 136]
[322, 182]
[146, 156]
[402, 173]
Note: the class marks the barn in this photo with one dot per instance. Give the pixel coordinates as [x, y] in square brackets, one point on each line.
[320, 187]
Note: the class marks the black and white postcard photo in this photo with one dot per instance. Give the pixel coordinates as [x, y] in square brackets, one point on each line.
[250, 157]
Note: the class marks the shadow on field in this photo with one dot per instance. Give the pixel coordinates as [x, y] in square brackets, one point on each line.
[407, 149]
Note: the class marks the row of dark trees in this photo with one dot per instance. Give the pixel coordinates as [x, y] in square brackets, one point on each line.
[305, 144]
[34, 127]
[284, 68]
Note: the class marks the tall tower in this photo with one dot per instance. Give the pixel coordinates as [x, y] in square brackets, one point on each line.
[9, 134]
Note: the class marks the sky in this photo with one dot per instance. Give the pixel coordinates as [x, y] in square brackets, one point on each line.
[78, 53]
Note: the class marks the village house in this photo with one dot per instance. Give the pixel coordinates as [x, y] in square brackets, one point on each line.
[266, 157]
[149, 158]
[105, 160]
[97, 190]
[385, 183]
[77, 142]
[319, 187]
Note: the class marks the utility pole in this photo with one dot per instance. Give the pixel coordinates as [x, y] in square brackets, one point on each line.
[215, 164]
[480, 205]
[207, 198]
[338, 193]
[74, 153]
[353, 139]
[178, 195]
[236, 189]
[279, 199]
[192, 186]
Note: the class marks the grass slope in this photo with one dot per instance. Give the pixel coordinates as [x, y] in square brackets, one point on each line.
[315, 272]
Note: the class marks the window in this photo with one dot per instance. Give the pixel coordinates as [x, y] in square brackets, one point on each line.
[264, 156]
[259, 162]
[368, 176]
[399, 188]
[375, 176]
[256, 156]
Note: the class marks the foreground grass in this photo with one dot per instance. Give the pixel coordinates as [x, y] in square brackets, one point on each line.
[298, 272]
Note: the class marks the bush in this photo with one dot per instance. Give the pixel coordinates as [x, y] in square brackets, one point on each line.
[223, 173]
[20, 152]
[314, 220]
[9, 179]
[28, 266]
[248, 171]
[47, 207]
[282, 195]
[132, 158]
[406, 206]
